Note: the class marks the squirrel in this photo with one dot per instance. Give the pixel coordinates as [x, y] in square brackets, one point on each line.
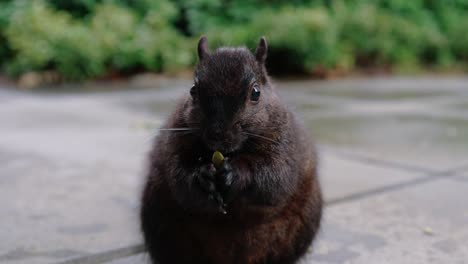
[264, 203]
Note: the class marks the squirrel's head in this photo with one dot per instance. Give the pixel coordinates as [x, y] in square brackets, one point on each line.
[230, 95]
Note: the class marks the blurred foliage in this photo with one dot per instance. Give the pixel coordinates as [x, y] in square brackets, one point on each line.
[91, 38]
[98, 38]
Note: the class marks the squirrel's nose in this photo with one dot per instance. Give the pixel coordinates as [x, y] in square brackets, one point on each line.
[216, 133]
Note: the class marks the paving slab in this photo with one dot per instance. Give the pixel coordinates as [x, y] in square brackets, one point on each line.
[341, 178]
[70, 178]
[432, 143]
[414, 121]
[423, 224]
[52, 212]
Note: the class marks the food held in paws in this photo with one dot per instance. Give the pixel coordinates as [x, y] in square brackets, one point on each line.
[217, 159]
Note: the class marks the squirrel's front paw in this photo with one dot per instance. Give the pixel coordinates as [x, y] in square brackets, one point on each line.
[206, 180]
[224, 179]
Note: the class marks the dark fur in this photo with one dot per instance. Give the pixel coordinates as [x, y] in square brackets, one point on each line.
[270, 186]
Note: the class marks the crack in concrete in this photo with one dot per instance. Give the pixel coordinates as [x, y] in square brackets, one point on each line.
[107, 256]
[23, 254]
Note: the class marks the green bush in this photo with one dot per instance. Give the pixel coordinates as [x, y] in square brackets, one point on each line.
[91, 38]
[455, 24]
[301, 39]
[113, 38]
[43, 38]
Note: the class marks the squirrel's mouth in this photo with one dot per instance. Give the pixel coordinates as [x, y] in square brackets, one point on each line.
[225, 140]
[227, 145]
[223, 147]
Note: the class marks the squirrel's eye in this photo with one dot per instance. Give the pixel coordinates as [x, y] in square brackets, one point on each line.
[255, 94]
[193, 91]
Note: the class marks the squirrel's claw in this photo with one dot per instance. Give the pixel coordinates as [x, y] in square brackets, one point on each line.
[205, 179]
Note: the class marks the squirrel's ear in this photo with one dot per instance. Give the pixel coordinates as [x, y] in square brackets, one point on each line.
[261, 52]
[203, 51]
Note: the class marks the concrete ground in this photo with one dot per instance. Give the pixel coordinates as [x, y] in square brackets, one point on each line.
[394, 169]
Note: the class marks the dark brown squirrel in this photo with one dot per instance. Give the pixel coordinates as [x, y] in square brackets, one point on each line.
[264, 204]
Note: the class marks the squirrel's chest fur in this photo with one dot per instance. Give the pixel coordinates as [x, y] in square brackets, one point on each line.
[268, 235]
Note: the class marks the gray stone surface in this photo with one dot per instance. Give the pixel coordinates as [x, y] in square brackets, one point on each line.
[423, 224]
[137, 259]
[73, 164]
[71, 172]
[342, 178]
[417, 121]
[462, 177]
